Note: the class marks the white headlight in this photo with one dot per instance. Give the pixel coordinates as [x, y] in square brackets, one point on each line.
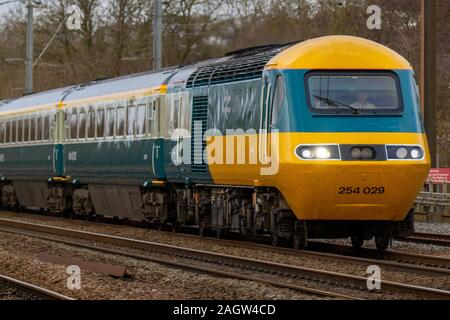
[307, 154]
[416, 153]
[401, 153]
[323, 153]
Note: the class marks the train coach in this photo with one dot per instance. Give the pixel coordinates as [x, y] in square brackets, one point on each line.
[317, 139]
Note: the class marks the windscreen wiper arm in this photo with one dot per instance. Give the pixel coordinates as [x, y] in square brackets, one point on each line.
[335, 103]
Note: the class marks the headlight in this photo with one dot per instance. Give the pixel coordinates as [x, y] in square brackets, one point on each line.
[401, 153]
[323, 153]
[416, 153]
[307, 154]
[318, 152]
[367, 153]
[405, 152]
[355, 153]
[362, 153]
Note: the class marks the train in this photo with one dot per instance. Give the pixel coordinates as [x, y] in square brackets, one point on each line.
[317, 139]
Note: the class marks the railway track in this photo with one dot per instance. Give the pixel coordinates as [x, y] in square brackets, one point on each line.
[312, 281]
[389, 260]
[429, 238]
[13, 289]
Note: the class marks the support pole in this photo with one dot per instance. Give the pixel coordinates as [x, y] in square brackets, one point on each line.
[428, 73]
[157, 35]
[29, 44]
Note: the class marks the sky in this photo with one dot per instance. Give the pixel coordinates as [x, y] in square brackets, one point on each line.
[4, 9]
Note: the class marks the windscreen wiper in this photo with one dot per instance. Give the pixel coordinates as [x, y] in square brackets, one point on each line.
[335, 103]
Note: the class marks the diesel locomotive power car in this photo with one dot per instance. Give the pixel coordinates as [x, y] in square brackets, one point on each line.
[317, 139]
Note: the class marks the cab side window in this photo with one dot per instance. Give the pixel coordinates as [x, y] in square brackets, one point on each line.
[277, 101]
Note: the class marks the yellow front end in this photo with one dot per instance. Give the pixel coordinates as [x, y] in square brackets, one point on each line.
[325, 189]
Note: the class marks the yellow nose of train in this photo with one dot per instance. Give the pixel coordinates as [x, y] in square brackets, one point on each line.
[348, 188]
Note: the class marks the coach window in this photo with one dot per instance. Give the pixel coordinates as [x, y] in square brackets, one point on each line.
[174, 117]
[20, 130]
[14, 131]
[140, 118]
[46, 132]
[39, 129]
[26, 130]
[2, 133]
[73, 124]
[100, 118]
[151, 110]
[82, 124]
[7, 132]
[110, 122]
[91, 122]
[278, 100]
[121, 121]
[131, 118]
[33, 129]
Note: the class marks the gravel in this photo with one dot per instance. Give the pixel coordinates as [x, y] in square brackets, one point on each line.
[18, 259]
[317, 263]
[438, 228]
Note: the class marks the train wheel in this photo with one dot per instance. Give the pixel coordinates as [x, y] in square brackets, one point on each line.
[382, 241]
[275, 240]
[299, 242]
[300, 239]
[357, 241]
[201, 231]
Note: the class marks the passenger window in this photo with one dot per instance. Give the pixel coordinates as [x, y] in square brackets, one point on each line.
[91, 123]
[278, 101]
[140, 120]
[120, 121]
[47, 128]
[151, 106]
[73, 124]
[8, 132]
[26, 130]
[39, 129]
[33, 129]
[110, 121]
[14, 131]
[2, 133]
[100, 123]
[82, 125]
[20, 130]
[131, 119]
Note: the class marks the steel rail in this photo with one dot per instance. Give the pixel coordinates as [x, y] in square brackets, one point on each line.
[32, 291]
[219, 259]
[429, 238]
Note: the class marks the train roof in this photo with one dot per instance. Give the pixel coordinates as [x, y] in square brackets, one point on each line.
[99, 88]
[339, 53]
[331, 52]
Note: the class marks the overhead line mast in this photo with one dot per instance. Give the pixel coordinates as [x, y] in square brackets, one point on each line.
[428, 73]
[157, 35]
